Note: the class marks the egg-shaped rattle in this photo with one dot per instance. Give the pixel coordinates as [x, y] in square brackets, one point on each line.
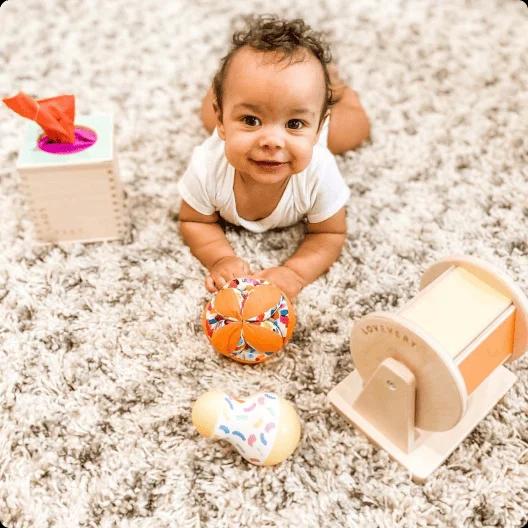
[264, 428]
[248, 320]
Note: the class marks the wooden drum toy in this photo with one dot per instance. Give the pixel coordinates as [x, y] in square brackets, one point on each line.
[428, 374]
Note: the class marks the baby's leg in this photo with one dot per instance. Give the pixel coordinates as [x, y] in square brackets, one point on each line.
[349, 125]
[207, 112]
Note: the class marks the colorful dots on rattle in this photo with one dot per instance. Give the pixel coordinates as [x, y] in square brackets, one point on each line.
[248, 320]
[264, 428]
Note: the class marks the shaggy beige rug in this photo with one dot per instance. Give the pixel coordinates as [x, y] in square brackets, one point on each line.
[102, 355]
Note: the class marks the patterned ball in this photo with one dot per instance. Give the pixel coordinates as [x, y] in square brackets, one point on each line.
[248, 320]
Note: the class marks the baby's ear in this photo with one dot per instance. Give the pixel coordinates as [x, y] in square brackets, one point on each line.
[219, 124]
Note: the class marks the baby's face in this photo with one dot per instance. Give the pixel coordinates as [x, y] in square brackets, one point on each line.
[271, 113]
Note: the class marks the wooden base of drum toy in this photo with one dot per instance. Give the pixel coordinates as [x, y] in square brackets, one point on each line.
[394, 427]
[427, 375]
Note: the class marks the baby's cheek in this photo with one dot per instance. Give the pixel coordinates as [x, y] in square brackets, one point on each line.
[303, 155]
[230, 154]
[235, 149]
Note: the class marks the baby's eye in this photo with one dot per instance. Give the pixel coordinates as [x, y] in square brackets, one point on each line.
[295, 124]
[251, 120]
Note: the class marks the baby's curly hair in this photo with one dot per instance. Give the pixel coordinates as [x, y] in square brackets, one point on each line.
[271, 33]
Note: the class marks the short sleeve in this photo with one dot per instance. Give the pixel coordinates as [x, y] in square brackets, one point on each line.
[193, 185]
[329, 191]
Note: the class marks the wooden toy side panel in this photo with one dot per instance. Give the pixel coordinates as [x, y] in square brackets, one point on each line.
[120, 201]
[75, 203]
[441, 394]
[490, 350]
[387, 401]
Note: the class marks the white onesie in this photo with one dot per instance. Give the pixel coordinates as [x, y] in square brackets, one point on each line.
[316, 193]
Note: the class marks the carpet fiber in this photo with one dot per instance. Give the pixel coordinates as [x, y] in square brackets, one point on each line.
[102, 354]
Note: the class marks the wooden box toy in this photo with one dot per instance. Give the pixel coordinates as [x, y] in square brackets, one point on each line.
[427, 375]
[78, 196]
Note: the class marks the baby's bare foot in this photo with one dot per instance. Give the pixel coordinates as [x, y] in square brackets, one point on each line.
[337, 85]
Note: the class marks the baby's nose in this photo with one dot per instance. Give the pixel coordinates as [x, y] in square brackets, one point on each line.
[272, 137]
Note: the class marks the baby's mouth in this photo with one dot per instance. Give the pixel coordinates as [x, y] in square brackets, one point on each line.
[268, 163]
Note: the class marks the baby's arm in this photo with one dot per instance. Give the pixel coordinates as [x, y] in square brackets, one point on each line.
[208, 243]
[318, 251]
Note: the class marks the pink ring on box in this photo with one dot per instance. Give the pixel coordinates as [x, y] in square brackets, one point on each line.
[84, 138]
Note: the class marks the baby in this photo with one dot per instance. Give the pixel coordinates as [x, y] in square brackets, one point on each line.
[277, 111]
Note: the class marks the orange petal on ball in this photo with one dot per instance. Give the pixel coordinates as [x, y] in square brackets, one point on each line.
[261, 299]
[261, 338]
[226, 303]
[225, 339]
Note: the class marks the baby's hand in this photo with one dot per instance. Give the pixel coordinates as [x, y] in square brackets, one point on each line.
[224, 270]
[284, 278]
